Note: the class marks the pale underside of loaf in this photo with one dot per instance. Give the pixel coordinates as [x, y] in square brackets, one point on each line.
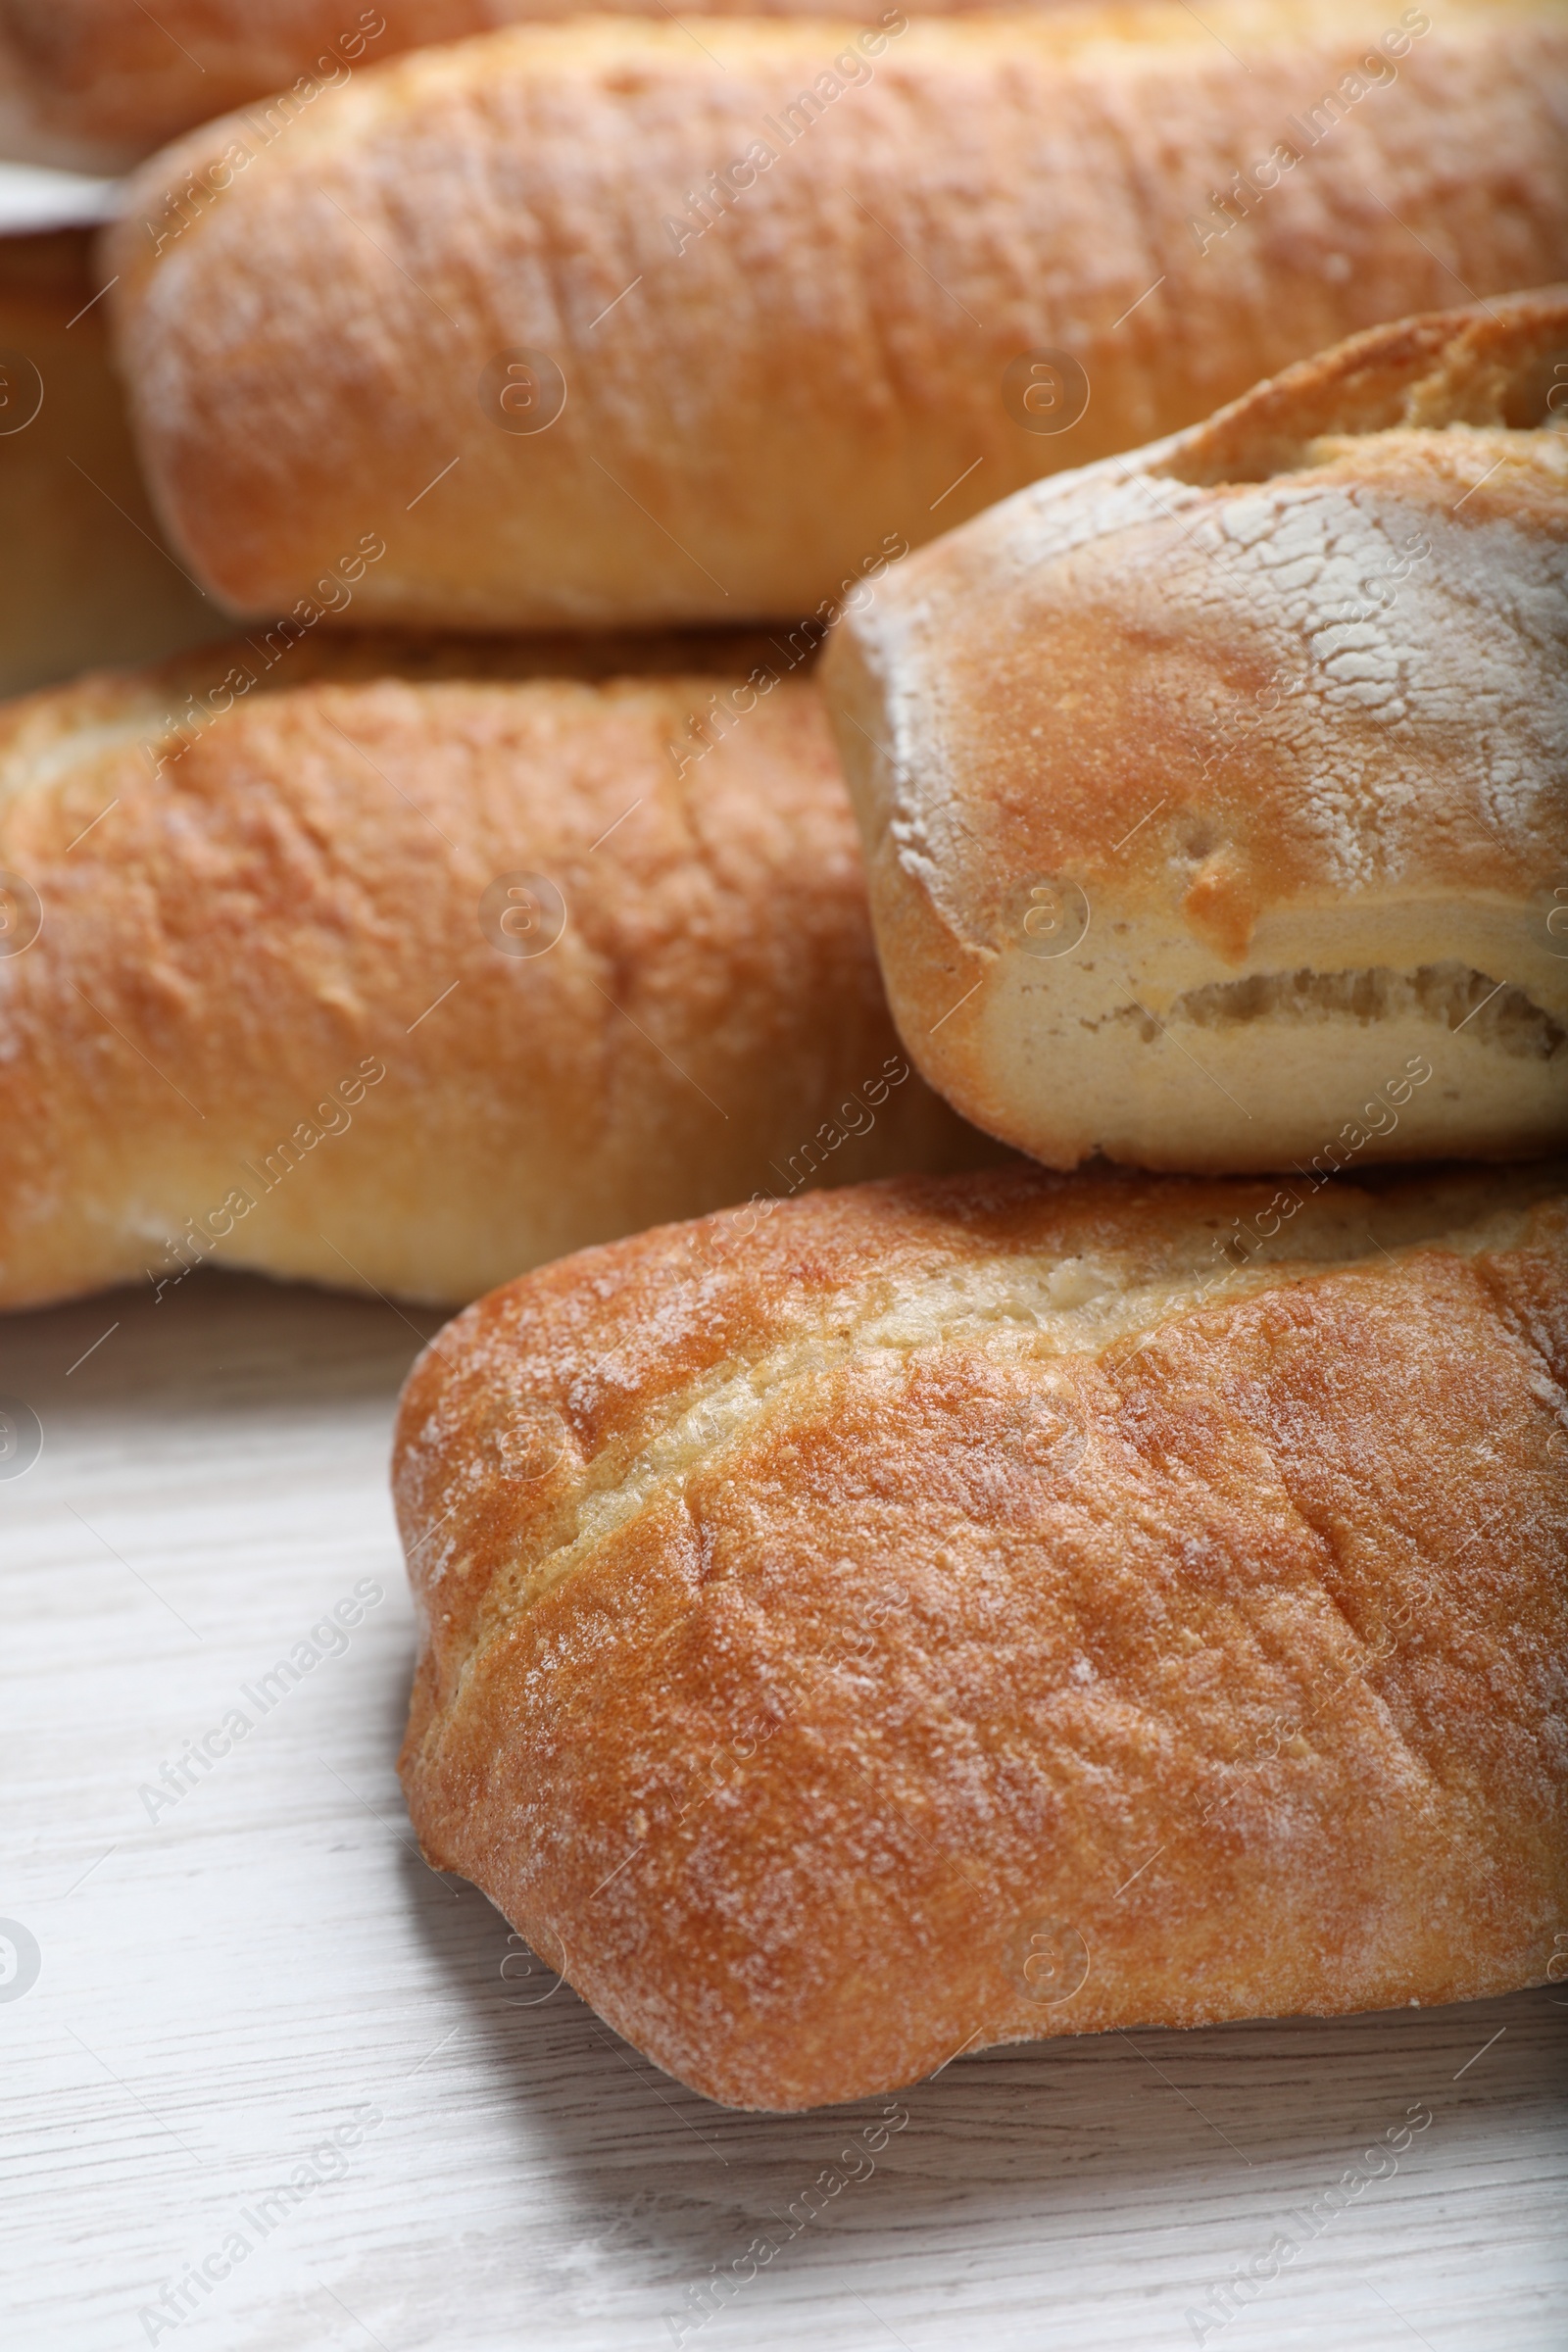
[937, 212]
[1215, 799]
[280, 1011]
[943, 1613]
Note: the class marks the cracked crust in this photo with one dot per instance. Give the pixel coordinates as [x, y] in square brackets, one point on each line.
[1214, 790]
[948, 1612]
[263, 1021]
[306, 334]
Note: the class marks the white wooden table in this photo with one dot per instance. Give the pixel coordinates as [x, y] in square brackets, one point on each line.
[226, 1981]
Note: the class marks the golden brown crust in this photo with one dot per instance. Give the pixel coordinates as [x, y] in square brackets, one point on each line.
[876, 278]
[1209, 790]
[950, 1612]
[269, 1021]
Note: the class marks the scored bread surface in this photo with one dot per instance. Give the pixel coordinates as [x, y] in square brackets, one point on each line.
[1215, 798]
[943, 1612]
[941, 207]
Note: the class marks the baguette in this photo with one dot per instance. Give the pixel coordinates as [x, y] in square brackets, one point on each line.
[402, 969]
[730, 394]
[939, 1614]
[1215, 798]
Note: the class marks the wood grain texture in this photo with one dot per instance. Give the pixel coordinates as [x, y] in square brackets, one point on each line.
[220, 1990]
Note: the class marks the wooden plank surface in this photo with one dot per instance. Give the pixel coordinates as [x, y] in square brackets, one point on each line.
[261, 2024]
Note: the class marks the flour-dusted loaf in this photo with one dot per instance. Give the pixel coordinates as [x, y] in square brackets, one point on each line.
[492, 302]
[406, 982]
[942, 1613]
[1215, 798]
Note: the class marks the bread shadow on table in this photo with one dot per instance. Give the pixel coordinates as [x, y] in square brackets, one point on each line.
[218, 1342]
[1032, 2130]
